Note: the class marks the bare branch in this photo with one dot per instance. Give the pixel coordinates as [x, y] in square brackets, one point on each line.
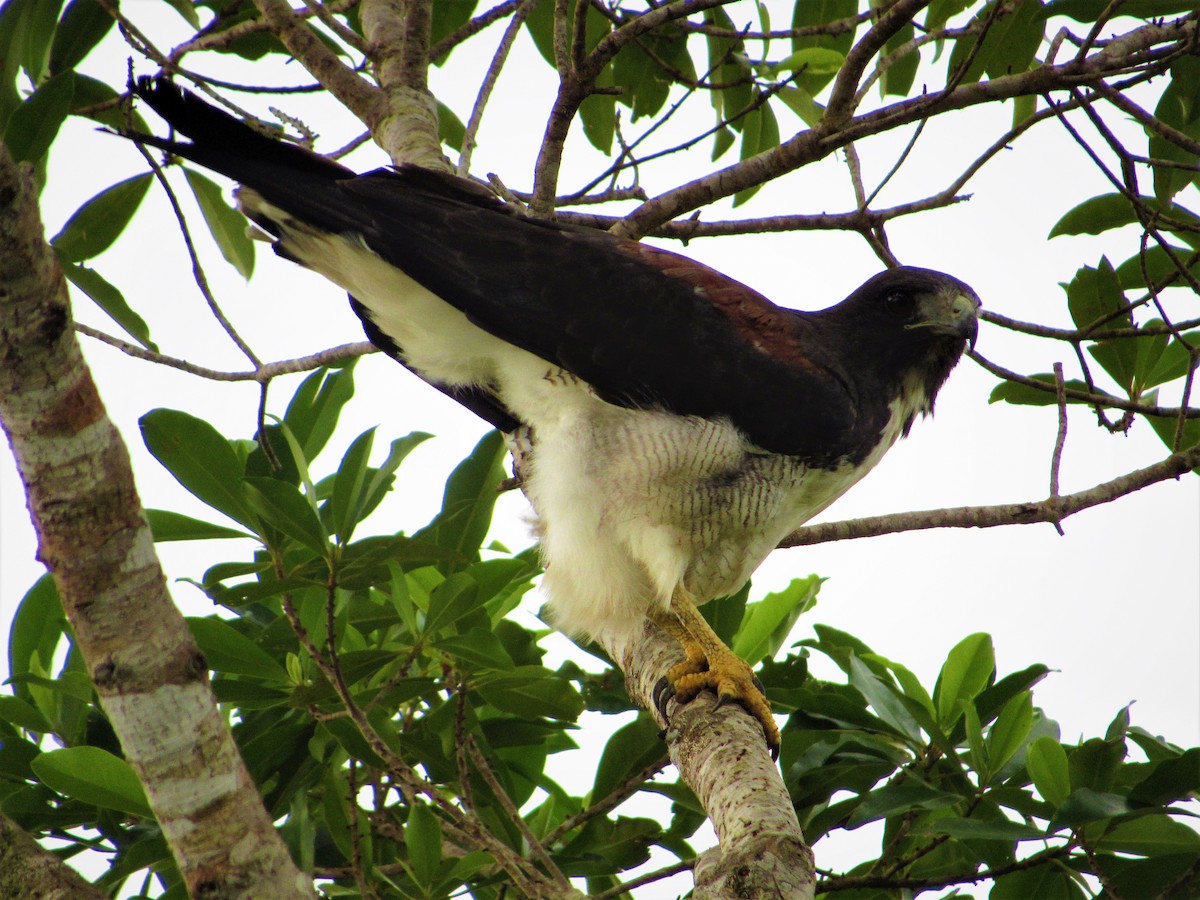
[1146, 50]
[29, 870]
[310, 51]
[1052, 509]
[263, 373]
[1095, 398]
[488, 83]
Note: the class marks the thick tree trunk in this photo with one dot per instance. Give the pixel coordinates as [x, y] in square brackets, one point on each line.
[149, 674]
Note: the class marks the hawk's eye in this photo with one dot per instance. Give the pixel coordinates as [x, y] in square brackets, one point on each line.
[899, 303]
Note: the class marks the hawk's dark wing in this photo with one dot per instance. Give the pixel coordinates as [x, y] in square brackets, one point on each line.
[644, 327]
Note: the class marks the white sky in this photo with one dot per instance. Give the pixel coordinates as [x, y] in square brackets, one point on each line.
[1113, 607]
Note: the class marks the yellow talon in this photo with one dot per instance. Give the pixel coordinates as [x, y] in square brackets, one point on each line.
[708, 663]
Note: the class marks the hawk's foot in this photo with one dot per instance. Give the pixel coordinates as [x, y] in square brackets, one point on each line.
[709, 664]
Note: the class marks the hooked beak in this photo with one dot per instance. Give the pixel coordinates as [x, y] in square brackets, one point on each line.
[952, 311]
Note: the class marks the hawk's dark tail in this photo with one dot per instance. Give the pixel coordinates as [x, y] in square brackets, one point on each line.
[224, 144]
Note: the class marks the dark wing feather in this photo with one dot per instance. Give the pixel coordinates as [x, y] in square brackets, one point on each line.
[644, 327]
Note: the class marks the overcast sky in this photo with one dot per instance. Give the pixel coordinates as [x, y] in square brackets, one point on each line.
[1113, 606]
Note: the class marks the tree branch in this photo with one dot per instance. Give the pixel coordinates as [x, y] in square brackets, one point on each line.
[721, 756]
[397, 33]
[358, 96]
[1052, 509]
[29, 870]
[1147, 50]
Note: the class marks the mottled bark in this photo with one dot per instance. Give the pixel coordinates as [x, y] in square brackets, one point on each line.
[397, 33]
[721, 755]
[28, 870]
[93, 538]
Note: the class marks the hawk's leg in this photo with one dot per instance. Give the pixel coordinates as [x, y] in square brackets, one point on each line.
[708, 663]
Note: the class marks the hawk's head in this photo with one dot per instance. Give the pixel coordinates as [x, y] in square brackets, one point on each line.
[903, 331]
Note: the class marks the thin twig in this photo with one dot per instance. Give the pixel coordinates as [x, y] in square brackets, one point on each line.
[533, 844]
[197, 269]
[1061, 438]
[264, 372]
[615, 798]
[499, 58]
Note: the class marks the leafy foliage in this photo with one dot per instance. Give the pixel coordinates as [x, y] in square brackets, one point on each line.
[412, 631]
[376, 682]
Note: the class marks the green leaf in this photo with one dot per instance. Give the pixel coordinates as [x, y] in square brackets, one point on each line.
[37, 629]
[312, 415]
[228, 226]
[84, 24]
[1169, 779]
[967, 671]
[1046, 762]
[423, 839]
[1009, 45]
[1086, 805]
[200, 459]
[35, 123]
[14, 16]
[884, 699]
[1177, 108]
[1156, 265]
[629, 751]
[451, 130]
[1166, 430]
[897, 79]
[1010, 731]
[900, 797]
[530, 691]
[1024, 395]
[109, 299]
[722, 141]
[99, 102]
[346, 500]
[761, 133]
[1089, 11]
[454, 598]
[467, 504]
[1151, 836]
[284, 506]
[981, 830]
[1046, 882]
[1107, 211]
[1095, 296]
[810, 13]
[40, 23]
[229, 652]
[478, 648]
[95, 777]
[95, 225]
[976, 748]
[598, 112]
[767, 623]
[811, 60]
[23, 715]
[173, 526]
[1094, 763]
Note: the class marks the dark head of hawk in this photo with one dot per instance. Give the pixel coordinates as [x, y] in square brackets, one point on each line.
[681, 424]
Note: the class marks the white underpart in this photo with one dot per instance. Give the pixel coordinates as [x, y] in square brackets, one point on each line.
[631, 503]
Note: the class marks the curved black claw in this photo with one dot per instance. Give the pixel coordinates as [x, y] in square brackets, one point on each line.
[662, 692]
